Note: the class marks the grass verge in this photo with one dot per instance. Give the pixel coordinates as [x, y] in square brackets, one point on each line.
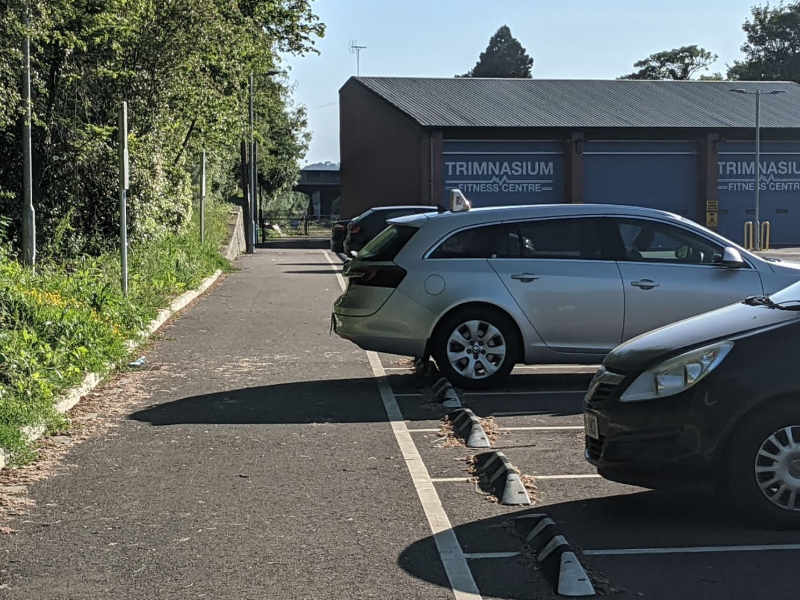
[69, 318]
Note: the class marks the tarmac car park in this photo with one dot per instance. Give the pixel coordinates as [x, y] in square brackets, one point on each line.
[633, 542]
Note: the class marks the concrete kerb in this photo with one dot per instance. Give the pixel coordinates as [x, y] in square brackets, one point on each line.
[558, 560]
[498, 476]
[73, 395]
[468, 426]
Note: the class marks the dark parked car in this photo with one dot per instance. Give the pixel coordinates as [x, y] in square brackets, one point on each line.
[338, 233]
[711, 399]
[370, 223]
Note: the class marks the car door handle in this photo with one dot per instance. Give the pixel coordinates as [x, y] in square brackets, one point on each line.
[645, 284]
[524, 277]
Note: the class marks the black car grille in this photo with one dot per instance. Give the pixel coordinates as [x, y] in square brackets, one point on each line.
[603, 391]
[604, 386]
[594, 447]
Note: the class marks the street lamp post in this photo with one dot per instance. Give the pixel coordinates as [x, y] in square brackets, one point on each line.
[252, 174]
[757, 93]
[28, 212]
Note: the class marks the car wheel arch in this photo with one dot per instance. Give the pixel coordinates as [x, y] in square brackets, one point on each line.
[726, 439]
[477, 304]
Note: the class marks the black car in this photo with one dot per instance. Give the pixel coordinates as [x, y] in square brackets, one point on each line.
[714, 399]
[370, 223]
[338, 233]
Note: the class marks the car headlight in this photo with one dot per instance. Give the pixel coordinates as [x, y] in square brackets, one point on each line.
[677, 374]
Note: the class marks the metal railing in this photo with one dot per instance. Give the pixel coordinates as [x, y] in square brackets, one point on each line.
[287, 225]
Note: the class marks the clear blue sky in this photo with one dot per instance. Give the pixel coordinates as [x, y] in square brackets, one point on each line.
[568, 39]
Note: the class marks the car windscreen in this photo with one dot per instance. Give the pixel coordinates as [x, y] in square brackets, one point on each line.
[387, 243]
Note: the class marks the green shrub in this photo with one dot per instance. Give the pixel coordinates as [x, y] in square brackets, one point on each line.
[70, 318]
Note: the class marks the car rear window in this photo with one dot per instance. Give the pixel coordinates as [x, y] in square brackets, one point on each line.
[387, 243]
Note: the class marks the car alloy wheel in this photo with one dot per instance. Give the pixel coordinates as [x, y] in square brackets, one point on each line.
[476, 349]
[777, 468]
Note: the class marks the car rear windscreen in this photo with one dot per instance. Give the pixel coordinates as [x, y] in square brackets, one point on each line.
[387, 243]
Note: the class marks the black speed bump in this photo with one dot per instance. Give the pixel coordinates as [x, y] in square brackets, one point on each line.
[468, 426]
[445, 393]
[558, 560]
[498, 476]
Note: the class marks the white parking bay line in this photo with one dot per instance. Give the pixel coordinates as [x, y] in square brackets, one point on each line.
[543, 428]
[531, 428]
[576, 476]
[691, 549]
[450, 552]
[498, 393]
[484, 555]
[452, 556]
[451, 479]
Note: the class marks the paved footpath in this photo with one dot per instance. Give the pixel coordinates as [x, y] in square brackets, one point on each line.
[254, 459]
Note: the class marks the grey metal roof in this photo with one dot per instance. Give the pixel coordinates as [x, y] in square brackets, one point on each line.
[466, 102]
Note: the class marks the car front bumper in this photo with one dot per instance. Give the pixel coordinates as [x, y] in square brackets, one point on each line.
[655, 443]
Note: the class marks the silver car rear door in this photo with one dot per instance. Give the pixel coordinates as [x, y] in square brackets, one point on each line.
[571, 293]
[670, 273]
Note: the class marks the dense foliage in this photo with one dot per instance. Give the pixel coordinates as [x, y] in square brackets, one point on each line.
[772, 50]
[503, 57]
[678, 63]
[70, 318]
[183, 67]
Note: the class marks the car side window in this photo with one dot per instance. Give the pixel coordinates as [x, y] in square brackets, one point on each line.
[490, 241]
[561, 238]
[650, 241]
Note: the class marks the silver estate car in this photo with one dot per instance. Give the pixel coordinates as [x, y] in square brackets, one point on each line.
[483, 289]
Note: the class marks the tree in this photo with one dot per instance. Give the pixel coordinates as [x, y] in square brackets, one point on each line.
[503, 57]
[772, 50]
[678, 63]
[183, 67]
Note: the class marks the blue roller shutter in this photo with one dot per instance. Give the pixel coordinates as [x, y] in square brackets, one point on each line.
[655, 174]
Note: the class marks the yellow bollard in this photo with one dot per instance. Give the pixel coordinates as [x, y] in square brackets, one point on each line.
[748, 235]
[765, 230]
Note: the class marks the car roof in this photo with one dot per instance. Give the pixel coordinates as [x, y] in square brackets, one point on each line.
[417, 207]
[502, 213]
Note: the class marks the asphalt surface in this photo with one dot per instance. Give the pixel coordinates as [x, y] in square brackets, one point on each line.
[258, 463]
[255, 459]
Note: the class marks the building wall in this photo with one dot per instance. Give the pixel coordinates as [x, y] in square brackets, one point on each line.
[706, 175]
[385, 155]
[779, 190]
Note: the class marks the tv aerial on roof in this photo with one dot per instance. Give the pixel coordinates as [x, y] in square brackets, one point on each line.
[356, 48]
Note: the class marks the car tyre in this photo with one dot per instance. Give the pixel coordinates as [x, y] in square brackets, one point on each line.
[480, 365]
[772, 431]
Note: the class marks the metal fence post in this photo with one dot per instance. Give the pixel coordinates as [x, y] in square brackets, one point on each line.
[203, 199]
[248, 220]
[252, 169]
[124, 183]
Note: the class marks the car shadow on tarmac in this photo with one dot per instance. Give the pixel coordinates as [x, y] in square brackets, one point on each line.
[647, 519]
[323, 401]
[337, 401]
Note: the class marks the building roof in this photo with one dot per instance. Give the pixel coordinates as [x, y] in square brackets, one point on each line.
[581, 103]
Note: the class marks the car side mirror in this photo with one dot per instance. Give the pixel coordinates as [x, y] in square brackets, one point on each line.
[732, 258]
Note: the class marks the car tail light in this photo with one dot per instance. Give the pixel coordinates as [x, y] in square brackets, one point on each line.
[377, 276]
